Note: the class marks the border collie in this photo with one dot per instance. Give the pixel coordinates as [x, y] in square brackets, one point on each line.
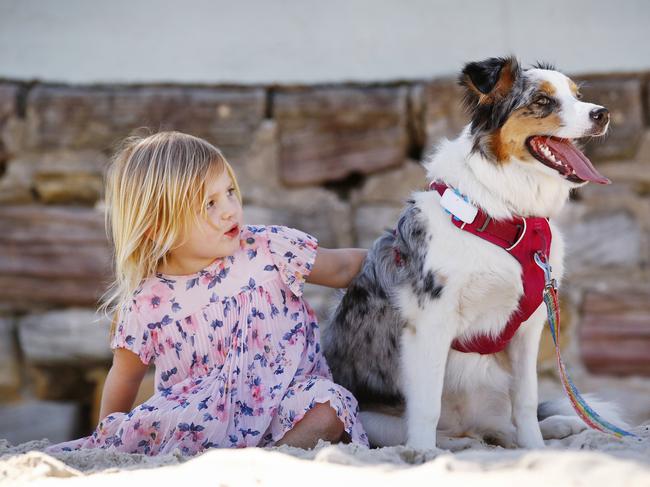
[444, 318]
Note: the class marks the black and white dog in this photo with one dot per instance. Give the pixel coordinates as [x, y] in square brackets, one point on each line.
[429, 320]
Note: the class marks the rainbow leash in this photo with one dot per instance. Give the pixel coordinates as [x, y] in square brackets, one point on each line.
[582, 409]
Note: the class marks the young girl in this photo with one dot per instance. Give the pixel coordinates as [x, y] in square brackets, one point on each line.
[218, 307]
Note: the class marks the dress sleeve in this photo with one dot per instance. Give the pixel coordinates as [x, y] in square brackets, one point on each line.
[132, 335]
[293, 253]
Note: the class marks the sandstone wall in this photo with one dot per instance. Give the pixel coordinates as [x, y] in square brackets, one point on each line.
[335, 161]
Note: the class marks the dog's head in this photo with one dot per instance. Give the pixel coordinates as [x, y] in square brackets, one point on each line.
[531, 117]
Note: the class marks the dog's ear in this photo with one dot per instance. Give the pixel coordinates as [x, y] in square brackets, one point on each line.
[490, 80]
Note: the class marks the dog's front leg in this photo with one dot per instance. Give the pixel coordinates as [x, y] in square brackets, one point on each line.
[425, 346]
[523, 350]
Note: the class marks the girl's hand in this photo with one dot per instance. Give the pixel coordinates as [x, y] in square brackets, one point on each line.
[336, 267]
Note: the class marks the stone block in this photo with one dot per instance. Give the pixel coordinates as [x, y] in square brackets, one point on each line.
[37, 420]
[9, 367]
[393, 186]
[327, 134]
[71, 336]
[98, 117]
[444, 115]
[317, 212]
[615, 332]
[8, 115]
[52, 256]
[58, 176]
[258, 170]
[84, 188]
[602, 240]
[643, 153]
[225, 117]
[16, 184]
[60, 382]
[268, 202]
[622, 97]
[635, 175]
[370, 221]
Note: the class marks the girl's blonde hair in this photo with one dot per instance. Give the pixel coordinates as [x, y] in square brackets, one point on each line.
[155, 191]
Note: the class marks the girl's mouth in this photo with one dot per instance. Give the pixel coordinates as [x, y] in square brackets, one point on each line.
[233, 232]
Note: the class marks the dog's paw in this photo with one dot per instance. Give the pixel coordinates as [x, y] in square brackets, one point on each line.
[457, 444]
[530, 437]
[422, 440]
[558, 427]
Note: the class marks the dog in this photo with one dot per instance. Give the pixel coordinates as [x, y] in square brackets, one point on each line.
[431, 320]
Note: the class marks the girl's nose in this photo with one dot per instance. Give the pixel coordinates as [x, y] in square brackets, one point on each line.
[227, 214]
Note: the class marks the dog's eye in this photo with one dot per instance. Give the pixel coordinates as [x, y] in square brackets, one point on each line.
[542, 100]
[578, 95]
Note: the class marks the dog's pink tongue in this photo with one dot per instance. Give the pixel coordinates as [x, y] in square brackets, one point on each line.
[583, 167]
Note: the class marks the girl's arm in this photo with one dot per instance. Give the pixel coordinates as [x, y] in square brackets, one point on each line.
[122, 383]
[336, 267]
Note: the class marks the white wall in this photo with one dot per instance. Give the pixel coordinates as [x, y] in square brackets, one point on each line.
[310, 41]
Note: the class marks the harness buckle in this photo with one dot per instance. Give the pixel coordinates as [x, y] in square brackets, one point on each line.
[487, 221]
[542, 263]
[520, 235]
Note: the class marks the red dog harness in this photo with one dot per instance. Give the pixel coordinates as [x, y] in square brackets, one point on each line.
[522, 238]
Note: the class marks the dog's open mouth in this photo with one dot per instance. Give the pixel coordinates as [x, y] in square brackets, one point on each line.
[562, 156]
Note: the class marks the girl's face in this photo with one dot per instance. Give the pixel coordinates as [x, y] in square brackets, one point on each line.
[218, 236]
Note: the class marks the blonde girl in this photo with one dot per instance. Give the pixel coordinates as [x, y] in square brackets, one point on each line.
[217, 306]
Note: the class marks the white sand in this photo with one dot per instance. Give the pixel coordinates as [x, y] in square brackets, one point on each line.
[589, 458]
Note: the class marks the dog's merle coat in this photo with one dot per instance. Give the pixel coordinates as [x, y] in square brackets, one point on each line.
[369, 310]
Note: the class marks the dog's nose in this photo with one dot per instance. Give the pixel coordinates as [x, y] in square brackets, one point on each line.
[600, 116]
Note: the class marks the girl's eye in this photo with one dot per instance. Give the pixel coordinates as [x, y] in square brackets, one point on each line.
[209, 204]
[231, 191]
[542, 101]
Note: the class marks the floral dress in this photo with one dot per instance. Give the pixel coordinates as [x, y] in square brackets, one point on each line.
[236, 349]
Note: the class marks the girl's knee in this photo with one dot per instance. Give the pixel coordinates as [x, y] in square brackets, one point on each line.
[326, 421]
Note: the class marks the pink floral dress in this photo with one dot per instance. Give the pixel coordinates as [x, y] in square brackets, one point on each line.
[236, 350]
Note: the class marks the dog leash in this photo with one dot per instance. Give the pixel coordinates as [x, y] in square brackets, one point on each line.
[583, 410]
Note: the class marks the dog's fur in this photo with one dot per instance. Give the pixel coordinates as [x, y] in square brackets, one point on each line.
[389, 338]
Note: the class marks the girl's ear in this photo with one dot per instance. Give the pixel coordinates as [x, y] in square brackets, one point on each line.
[491, 79]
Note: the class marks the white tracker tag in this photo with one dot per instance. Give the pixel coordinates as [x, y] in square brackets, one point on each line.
[457, 206]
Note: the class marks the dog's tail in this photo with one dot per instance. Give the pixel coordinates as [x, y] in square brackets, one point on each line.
[384, 429]
[561, 406]
[557, 419]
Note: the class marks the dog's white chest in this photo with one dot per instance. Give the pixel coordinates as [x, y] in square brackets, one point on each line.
[482, 282]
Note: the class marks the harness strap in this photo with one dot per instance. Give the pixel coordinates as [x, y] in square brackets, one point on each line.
[504, 233]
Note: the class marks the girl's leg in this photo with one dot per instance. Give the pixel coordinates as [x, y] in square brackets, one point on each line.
[319, 423]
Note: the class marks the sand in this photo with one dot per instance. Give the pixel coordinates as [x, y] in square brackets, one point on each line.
[588, 458]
